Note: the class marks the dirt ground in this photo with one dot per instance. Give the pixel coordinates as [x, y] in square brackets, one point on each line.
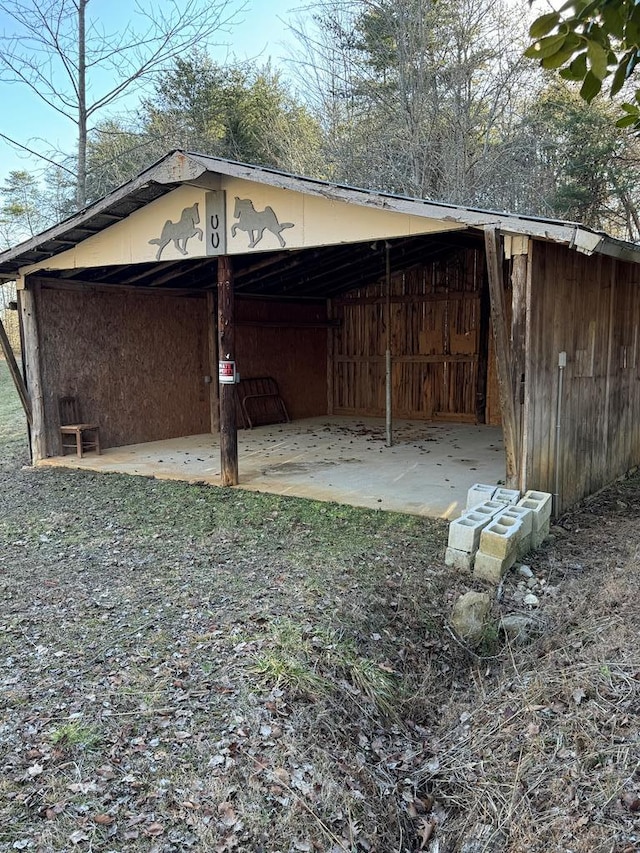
[191, 668]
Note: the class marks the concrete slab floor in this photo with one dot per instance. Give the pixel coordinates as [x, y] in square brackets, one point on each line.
[427, 471]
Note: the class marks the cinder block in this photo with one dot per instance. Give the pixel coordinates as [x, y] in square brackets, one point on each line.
[523, 513]
[526, 519]
[524, 545]
[500, 538]
[459, 559]
[538, 536]
[479, 493]
[489, 508]
[540, 505]
[506, 496]
[489, 568]
[464, 532]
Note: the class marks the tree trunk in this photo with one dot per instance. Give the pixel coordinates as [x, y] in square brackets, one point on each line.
[81, 179]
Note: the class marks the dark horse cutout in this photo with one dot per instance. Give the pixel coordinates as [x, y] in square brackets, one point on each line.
[256, 222]
[181, 231]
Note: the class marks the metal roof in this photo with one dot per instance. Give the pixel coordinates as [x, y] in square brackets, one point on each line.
[181, 167]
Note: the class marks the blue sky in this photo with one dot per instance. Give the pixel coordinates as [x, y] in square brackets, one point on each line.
[261, 34]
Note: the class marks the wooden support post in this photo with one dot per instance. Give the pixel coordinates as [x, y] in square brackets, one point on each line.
[27, 301]
[214, 396]
[528, 405]
[226, 352]
[14, 370]
[519, 278]
[503, 352]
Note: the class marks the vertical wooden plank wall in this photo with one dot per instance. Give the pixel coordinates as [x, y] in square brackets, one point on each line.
[588, 307]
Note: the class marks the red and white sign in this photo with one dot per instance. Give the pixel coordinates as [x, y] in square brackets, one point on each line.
[227, 372]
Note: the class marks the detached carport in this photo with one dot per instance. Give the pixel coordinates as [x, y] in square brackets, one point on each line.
[360, 305]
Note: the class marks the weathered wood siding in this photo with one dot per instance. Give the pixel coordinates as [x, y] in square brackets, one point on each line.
[435, 333]
[588, 307]
[136, 362]
[287, 341]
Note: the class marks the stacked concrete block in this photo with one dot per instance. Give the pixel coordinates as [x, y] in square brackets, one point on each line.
[479, 493]
[496, 529]
[539, 503]
[506, 496]
[498, 548]
[464, 538]
[526, 533]
[488, 508]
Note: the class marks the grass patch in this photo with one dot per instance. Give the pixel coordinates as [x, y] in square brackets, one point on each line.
[75, 734]
[289, 673]
[13, 424]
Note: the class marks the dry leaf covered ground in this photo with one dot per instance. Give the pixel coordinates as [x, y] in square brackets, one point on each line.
[189, 668]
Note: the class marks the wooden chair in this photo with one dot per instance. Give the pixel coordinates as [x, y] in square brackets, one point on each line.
[83, 436]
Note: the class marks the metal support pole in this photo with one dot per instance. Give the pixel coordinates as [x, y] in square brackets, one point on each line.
[388, 371]
[562, 363]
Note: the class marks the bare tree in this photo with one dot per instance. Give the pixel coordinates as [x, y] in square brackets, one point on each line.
[418, 96]
[78, 68]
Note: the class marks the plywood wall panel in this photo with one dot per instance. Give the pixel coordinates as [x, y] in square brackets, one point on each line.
[136, 362]
[287, 341]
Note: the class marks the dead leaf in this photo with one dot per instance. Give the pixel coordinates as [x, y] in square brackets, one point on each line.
[106, 772]
[35, 770]
[578, 695]
[103, 819]
[78, 836]
[82, 787]
[153, 830]
[227, 814]
[425, 832]
[434, 765]
[631, 800]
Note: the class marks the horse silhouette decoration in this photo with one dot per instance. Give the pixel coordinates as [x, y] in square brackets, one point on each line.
[256, 222]
[180, 232]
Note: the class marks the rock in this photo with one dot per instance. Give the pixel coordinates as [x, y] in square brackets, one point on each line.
[470, 616]
[532, 582]
[531, 600]
[525, 571]
[518, 628]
